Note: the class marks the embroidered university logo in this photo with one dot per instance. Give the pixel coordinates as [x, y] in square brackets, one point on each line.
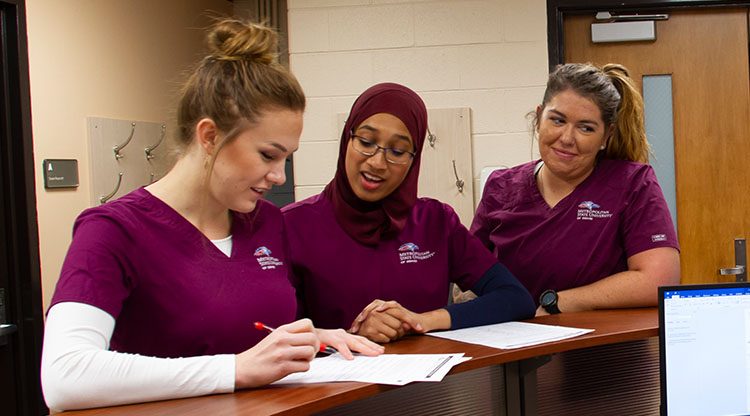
[589, 205]
[265, 260]
[262, 251]
[408, 247]
[409, 253]
[589, 210]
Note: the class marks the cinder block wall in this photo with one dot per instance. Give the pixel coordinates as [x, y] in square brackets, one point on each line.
[489, 55]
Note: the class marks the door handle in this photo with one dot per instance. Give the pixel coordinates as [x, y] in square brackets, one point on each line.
[740, 262]
[732, 270]
[7, 329]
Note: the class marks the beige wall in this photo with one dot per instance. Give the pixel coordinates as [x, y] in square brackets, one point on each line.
[102, 58]
[123, 59]
[489, 55]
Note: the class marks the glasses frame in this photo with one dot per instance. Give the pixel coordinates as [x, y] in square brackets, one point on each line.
[385, 150]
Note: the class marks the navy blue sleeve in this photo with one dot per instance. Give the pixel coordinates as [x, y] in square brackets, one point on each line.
[500, 298]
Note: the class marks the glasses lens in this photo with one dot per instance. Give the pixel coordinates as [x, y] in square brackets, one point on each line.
[397, 156]
[364, 146]
[369, 148]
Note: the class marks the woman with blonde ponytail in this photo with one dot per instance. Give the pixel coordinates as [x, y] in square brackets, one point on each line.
[586, 226]
[628, 141]
[160, 288]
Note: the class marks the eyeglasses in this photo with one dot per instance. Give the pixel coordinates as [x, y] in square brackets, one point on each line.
[369, 148]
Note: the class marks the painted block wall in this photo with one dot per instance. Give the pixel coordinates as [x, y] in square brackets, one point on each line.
[489, 55]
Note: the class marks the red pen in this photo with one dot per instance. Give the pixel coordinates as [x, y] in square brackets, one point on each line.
[323, 347]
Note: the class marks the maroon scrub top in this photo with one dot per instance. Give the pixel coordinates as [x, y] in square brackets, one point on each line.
[616, 212]
[172, 292]
[336, 277]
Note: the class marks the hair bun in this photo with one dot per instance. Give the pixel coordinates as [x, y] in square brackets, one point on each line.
[234, 40]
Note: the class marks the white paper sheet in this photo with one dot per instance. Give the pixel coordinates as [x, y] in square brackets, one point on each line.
[510, 335]
[396, 369]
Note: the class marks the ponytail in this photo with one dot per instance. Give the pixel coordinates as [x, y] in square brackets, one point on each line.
[628, 140]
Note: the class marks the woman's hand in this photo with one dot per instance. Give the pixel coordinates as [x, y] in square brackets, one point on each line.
[288, 349]
[345, 343]
[377, 306]
[364, 314]
[388, 321]
[460, 296]
[540, 312]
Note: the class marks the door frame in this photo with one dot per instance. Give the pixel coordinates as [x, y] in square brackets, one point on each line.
[557, 9]
[24, 294]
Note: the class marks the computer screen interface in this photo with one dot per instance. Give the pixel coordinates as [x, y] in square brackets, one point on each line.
[705, 349]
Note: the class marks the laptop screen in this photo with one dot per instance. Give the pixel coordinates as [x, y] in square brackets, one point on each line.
[704, 341]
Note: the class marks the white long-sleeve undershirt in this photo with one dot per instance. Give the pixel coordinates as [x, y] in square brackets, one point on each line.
[79, 371]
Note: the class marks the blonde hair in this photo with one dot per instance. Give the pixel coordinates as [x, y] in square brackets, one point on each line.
[620, 103]
[237, 81]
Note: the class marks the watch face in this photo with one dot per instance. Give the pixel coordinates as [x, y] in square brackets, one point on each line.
[548, 298]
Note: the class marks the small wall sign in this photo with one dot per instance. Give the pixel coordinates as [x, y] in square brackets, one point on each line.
[60, 173]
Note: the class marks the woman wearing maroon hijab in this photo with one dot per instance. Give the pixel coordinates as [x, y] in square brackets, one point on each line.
[368, 254]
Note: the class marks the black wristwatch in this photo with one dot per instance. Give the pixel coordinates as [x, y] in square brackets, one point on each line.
[548, 301]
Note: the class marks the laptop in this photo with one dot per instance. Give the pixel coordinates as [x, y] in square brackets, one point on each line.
[704, 349]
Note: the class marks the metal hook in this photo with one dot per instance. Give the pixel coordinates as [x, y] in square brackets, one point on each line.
[119, 147]
[459, 182]
[431, 138]
[150, 149]
[105, 198]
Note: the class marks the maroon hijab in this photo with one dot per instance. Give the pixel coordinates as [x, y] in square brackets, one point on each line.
[371, 222]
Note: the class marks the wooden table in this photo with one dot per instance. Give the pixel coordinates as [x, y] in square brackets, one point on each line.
[611, 327]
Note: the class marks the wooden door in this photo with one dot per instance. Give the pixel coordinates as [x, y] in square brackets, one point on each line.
[706, 53]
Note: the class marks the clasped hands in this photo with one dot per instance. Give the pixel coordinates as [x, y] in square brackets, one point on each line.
[386, 321]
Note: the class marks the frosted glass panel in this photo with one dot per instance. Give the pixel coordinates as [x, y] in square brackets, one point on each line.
[657, 98]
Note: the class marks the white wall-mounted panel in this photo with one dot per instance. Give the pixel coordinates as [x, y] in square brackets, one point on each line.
[437, 175]
[137, 170]
[623, 31]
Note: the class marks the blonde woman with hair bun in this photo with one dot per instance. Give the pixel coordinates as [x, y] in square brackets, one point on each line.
[586, 226]
[160, 288]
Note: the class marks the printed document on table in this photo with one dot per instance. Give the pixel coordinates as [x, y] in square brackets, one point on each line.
[510, 335]
[396, 369]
